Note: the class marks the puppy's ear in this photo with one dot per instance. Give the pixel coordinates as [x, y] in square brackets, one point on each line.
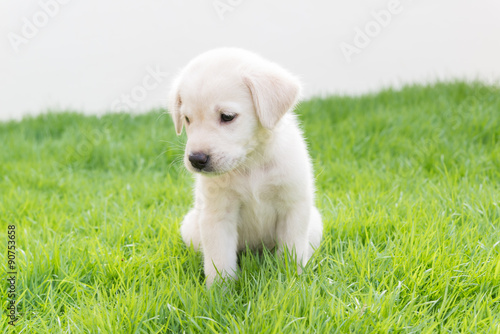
[174, 105]
[274, 92]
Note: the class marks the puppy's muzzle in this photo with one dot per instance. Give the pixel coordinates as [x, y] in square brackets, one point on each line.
[199, 160]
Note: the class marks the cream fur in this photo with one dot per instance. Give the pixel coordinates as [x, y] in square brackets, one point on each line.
[258, 186]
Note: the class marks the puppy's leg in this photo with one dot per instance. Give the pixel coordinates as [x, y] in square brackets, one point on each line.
[315, 231]
[219, 238]
[190, 229]
[292, 233]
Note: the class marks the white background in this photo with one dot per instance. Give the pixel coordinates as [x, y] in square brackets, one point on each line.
[89, 54]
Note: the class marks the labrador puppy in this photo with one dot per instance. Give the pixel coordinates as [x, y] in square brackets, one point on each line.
[254, 181]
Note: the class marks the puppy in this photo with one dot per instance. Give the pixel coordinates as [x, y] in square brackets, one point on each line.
[254, 182]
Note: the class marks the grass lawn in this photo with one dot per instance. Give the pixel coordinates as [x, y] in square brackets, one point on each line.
[408, 183]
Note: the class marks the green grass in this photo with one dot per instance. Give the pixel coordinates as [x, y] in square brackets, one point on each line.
[408, 183]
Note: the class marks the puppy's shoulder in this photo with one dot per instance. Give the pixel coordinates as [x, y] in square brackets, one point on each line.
[289, 135]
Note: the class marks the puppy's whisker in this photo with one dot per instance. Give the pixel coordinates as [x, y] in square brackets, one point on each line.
[176, 162]
[178, 143]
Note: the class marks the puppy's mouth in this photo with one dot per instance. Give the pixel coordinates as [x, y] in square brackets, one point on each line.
[208, 170]
[204, 170]
[213, 167]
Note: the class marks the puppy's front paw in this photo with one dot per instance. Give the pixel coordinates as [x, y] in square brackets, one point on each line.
[290, 255]
[213, 275]
[190, 230]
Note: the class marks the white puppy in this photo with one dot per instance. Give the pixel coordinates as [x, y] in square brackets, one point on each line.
[254, 180]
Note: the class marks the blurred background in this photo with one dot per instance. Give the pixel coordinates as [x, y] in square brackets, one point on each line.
[95, 57]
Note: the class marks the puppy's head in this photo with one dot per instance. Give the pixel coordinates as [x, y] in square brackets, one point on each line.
[227, 99]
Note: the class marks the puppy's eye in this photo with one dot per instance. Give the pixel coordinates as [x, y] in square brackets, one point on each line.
[225, 118]
[187, 119]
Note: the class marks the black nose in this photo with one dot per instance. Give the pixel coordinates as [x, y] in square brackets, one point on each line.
[198, 160]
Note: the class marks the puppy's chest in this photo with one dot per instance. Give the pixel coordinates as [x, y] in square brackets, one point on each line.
[260, 189]
[258, 213]
[261, 199]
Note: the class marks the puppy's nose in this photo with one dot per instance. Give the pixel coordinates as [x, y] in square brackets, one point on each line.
[198, 160]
